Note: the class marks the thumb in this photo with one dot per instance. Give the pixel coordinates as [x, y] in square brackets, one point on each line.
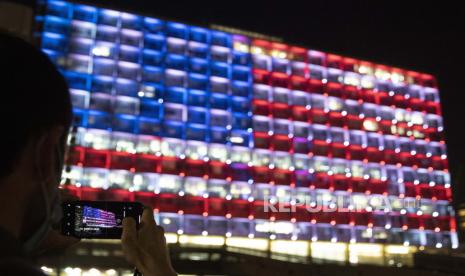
[129, 241]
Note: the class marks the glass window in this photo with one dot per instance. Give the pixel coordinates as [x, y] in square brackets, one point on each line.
[219, 118]
[423, 176]
[196, 150]
[374, 172]
[123, 142]
[439, 178]
[216, 226]
[261, 124]
[357, 169]
[97, 139]
[298, 68]
[144, 181]
[280, 95]
[405, 145]
[369, 110]
[356, 138]
[301, 129]
[301, 161]
[283, 194]
[368, 82]
[380, 235]
[408, 175]
[148, 144]
[170, 222]
[433, 121]
[282, 160]
[194, 225]
[352, 79]
[318, 102]
[281, 126]
[431, 94]
[261, 192]
[280, 65]
[323, 232]
[386, 113]
[359, 201]
[338, 167]
[320, 164]
[392, 175]
[335, 75]
[335, 104]
[172, 147]
[337, 135]
[261, 62]
[217, 152]
[168, 184]
[303, 196]
[240, 227]
[374, 140]
[414, 237]
[390, 142]
[343, 233]
[353, 108]
[300, 98]
[95, 178]
[218, 53]
[400, 115]
[240, 155]
[240, 190]
[261, 92]
[126, 105]
[417, 118]
[120, 179]
[261, 157]
[195, 186]
[320, 133]
[218, 188]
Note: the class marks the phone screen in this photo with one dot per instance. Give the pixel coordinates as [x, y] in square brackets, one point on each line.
[98, 219]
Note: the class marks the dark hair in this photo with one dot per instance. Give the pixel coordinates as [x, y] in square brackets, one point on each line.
[34, 97]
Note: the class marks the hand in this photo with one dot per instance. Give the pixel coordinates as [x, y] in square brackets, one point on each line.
[146, 248]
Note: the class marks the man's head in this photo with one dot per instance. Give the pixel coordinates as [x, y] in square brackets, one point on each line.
[36, 114]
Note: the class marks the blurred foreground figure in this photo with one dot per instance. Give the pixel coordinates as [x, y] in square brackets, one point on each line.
[36, 113]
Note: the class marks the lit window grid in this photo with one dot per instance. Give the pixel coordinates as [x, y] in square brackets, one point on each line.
[124, 142]
[333, 142]
[319, 172]
[150, 181]
[417, 125]
[278, 54]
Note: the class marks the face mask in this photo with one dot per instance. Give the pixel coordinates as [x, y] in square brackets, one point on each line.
[53, 212]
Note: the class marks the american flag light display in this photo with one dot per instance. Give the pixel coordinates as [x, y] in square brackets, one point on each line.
[212, 129]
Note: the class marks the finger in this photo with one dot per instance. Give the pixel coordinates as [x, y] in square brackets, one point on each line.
[147, 217]
[129, 228]
[129, 240]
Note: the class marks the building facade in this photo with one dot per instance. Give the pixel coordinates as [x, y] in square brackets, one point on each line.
[248, 142]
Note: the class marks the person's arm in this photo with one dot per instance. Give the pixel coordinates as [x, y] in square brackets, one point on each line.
[146, 248]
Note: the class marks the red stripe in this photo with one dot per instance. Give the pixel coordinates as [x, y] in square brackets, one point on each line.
[88, 157]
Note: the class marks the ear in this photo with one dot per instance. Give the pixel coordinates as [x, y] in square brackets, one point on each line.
[46, 152]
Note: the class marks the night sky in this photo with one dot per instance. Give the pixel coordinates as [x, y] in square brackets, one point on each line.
[420, 36]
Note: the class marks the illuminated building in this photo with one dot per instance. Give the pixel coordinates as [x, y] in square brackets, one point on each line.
[210, 127]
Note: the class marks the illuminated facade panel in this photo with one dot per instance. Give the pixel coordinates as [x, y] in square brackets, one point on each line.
[228, 135]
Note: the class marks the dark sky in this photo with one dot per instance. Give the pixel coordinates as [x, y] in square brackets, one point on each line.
[421, 35]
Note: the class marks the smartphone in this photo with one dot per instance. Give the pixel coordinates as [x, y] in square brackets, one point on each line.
[98, 219]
